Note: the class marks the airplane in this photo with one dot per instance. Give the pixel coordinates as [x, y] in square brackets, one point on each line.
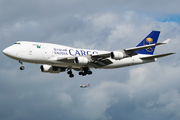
[84, 86]
[58, 58]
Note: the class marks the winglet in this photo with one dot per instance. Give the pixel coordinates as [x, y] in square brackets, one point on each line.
[166, 41]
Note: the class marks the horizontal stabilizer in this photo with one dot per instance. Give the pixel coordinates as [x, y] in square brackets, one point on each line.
[166, 41]
[156, 56]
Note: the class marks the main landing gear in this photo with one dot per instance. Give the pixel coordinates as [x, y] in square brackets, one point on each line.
[70, 73]
[22, 67]
[86, 71]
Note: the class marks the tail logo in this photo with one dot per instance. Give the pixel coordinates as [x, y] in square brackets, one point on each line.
[148, 41]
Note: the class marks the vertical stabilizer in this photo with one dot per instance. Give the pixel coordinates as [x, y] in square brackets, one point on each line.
[152, 38]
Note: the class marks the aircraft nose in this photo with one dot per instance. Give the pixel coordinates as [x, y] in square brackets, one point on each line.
[6, 51]
[9, 52]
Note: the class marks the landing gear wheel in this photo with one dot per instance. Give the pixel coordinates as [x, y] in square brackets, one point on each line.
[84, 74]
[89, 72]
[69, 72]
[22, 68]
[86, 71]
[71, 75]
[80, 73]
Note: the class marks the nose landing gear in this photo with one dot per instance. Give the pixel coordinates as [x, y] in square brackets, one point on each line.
[22, 67]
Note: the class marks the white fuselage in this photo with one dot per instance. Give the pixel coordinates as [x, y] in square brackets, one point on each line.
[46, 53]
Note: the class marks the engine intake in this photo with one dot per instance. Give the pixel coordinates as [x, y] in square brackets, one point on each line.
[51, 69]
[81, 60]
[117, 55]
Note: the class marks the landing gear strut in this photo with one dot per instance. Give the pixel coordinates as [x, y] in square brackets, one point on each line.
[70, 73]
[22, 67]
[86, 71]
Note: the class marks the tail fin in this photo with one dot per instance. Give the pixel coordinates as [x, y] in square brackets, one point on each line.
[152, 38]
[88, 85]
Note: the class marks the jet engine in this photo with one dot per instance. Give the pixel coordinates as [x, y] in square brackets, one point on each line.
[81, 60]
[51, 69]
[117, 55]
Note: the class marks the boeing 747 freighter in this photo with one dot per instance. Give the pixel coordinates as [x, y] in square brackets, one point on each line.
[58, 58]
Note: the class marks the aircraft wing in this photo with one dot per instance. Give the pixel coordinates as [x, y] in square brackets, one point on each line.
[156, 56]
[145, 46]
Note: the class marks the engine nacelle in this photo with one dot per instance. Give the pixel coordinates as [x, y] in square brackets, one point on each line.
[51, 69]
[81, 60]
[117, 55]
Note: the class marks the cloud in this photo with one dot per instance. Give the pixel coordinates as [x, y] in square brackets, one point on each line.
[169, 102]
[149, 91]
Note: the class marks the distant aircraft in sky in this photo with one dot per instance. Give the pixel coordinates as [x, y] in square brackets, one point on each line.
[58, 58]
[84, 86]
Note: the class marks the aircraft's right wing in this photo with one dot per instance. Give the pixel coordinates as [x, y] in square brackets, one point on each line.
[156, 56]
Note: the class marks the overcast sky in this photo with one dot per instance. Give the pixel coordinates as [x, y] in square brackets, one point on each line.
[143, 92]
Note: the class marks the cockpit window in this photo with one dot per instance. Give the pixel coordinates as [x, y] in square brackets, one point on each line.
[17, 43]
